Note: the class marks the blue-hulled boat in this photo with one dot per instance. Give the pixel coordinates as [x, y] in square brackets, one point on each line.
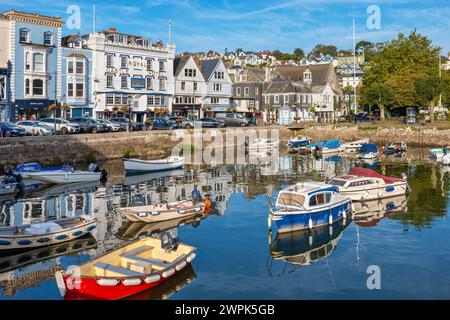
[329, 147]
[24, 169]
[297, 142]
[368, 151]
[306, 150]
[308, 205]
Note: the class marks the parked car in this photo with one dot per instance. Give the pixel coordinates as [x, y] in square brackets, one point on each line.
[9, 129]
[35, 128]
[112, 127]
[210, 123]
[90, 125]
[124, 122]
[164, 124]
[61, 125]
[185, 122]
[233, 119]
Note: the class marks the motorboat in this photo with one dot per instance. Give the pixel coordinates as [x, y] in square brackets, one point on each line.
[329, 147]
[354, 146]
[310, 148]
[446, 159]
[127, 271]
[7, 189]
[308, 205]
[368, 151]
[362, 184]
[262, 144]
[163, 211]
[24, 169]
[438, 153]
[297, 142]
[69, 175]
[46, 233]
[395, 148]
[170, 163]
[370, 213]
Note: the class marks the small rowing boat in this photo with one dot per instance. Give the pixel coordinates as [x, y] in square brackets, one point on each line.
[126, 271]
[45, 234]
[69, 175]
[137, 165]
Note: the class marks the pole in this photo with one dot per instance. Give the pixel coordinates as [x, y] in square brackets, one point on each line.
[354, 66]
[94, 18]
[129, 114]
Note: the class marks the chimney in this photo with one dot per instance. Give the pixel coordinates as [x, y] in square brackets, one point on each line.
[112, 30]
[268, 76]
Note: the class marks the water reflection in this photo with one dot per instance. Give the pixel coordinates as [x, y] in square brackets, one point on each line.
[370, 213]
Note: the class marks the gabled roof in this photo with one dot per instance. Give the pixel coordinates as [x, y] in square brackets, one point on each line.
[207, 67]
[320, 73]
[280, 85]
[70, 38]
[179, 63]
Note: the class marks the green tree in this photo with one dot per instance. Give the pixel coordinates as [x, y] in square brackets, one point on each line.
[299, 54]
[277, 54]
[428, 89]
[325, 50]
[378, 94]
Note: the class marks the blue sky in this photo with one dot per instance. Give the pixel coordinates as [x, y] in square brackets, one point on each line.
[200, 25]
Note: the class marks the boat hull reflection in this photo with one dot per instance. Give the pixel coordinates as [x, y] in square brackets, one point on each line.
[370, 213]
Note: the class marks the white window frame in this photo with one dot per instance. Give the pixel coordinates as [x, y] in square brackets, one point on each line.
[110, 77]
[51, 38]
[28, 33]
[277, 98]
[122, 77]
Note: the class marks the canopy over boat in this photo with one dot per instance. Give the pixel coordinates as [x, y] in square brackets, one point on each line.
[368, 148]
[363, 172]
[332, 144]
[315, 144]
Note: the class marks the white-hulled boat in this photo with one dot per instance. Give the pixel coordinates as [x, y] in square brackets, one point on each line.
[368, 151]
[438, 153]
[298, 142]
[164, 211]
[69, 175]
[137, 165]
[355, 145]
[262, 144]
[8, 189]
[363, 184]
[44, 234]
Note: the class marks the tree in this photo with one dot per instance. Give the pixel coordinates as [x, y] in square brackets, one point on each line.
[299, 54]
[428, 89]
[325, 50]
[277, 54]
[378, 94]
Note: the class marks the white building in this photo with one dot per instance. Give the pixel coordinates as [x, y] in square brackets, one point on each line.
[218, 86]
[130, 70]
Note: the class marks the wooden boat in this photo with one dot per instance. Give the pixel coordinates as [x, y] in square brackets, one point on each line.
[368, 151]
[297, 142]
[137, 165]
[363, 184]
[126, 271]
[355, 145]
[45, 234]
[308, 205]
[163, 212]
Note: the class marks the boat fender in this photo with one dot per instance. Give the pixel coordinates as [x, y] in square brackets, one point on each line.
[107, 282]
[60, 283]
[168, 273]
[142, 214]
[181, 265]
[154, 213]
[330, 219]
[390, 189]
[182, 211]
[310, 240]
[330, 230]
[310, 223]
[191, 257]
[152, 279]
[131, 282]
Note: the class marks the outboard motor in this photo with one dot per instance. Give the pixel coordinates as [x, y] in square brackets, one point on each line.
[10, 176]
[92, 167]
[169, 240]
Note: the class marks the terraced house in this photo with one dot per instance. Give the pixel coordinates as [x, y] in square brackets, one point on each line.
[218, 86]
[5, 71]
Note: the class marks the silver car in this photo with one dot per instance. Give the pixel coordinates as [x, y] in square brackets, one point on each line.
[112, 127]
[35, 128]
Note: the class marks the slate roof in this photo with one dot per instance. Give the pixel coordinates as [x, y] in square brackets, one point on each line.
[179, 63]
[208, 66]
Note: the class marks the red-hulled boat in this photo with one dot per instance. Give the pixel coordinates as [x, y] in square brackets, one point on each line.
[124, 272]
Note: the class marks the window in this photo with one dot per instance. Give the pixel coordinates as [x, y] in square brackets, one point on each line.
[27, 61]
[150, 101]
[162, 84]
[38, 87]
[117, 99]
[217, 87]
[80, 90]
[183, 85]
[267, 99]
[256, 91]
[124, 62]
[70, 90]
[70, 67]
[219, 75]
[157, 101]
[215, 100]
[27, 86]
[195, 86]
[38, 62]
[277, 99]
[48, 38]
[110, 61]
[24, 35]
[238, 91]
[109, 99]
[149, 84]
[307, 75]
[246, 91]
[124, 81]
[149, 65]
[80, 67]
[162, 66]
[109, 81]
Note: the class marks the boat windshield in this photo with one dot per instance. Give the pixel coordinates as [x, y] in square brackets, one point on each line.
[337, 182]
[291, 199]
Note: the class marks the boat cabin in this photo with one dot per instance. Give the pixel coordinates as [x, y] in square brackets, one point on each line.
[304, 196]
[351, 181]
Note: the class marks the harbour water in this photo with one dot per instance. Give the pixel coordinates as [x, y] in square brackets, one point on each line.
[238, 258]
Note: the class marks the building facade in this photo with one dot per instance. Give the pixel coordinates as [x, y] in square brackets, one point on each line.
[248, 89]
[131, 75]
[218, 86]
[5, 71]
[35, 55]
[190, 87]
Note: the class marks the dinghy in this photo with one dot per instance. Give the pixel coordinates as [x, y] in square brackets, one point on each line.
[438, 153]
[69, 175]
[45, 234]
[127, 271]
[368, 151]
[355, 145]
[363, 184]
[24, 169]
[137, 165]
[298, 142]
[308, 205]
[163, 212]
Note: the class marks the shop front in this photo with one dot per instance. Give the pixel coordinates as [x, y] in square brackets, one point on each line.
[32, 109]
[188, 111]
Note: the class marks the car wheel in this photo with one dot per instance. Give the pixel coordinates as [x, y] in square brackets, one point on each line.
[64, 130]
[188, 126]
[94, 130]
[41, 133]
[243, 124]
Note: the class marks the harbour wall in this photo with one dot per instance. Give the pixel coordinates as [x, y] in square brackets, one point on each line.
[156, 144]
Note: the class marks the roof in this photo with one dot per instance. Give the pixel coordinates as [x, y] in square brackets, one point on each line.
[208, 66]
[309, 187]
[320, 73]
[70, 38]
[363, 172]
[280, 85]
[179, 63]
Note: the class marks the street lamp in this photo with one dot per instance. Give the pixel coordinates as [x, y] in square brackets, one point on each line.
[129, 100]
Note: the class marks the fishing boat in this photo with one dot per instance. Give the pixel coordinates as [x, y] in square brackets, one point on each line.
[137, 165]
[44, 234]
[308, 205]
[127, 271]
[164, 211]
[261, 144]
[368, 151]
[69, 175]
[438, 153]
[363, 184]
[355, 145]
[395, 147]
[24, 169]
[297, 142]
[329, 147]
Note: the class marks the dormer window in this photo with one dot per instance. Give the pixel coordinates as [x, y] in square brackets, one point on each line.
[48, 38]
[24, 35]
[307, 76]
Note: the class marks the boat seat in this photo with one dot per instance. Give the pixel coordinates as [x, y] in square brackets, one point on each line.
[131, 257]
[107, 270]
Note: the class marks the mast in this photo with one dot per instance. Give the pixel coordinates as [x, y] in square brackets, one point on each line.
[354, 63]
[170, 31]
[94, 18]
[440, 75]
